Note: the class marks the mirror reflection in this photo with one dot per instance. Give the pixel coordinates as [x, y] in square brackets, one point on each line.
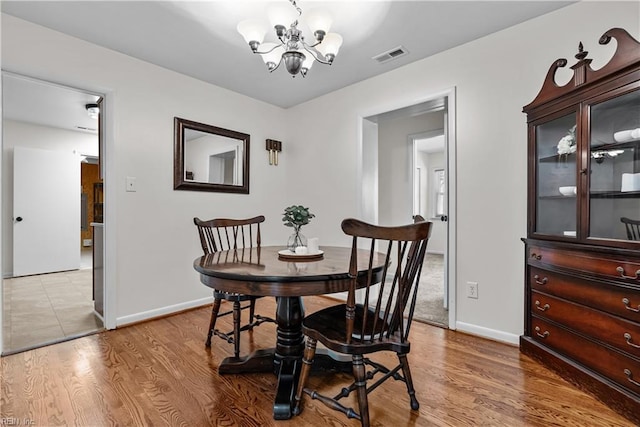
[212, 158]
[208, 158]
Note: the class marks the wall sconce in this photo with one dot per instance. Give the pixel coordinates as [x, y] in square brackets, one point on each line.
[274, 147]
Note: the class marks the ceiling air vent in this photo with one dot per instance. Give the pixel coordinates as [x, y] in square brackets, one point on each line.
[86, 128]
[391, 54]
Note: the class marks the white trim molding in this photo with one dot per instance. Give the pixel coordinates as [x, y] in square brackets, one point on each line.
[162, 311]
[491, 334]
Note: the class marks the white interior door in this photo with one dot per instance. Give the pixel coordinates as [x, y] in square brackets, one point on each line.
[46, 211]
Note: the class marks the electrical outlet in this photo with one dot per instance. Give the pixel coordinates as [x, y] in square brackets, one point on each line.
[472, 290]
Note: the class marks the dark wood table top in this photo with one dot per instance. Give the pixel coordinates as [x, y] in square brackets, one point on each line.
[260, 272]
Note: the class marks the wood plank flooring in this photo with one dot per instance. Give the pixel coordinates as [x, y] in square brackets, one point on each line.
[159, 373]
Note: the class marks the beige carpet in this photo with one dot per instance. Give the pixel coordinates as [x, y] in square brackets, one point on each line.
[429, 307]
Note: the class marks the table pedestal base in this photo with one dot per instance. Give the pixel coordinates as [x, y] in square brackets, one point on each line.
[258, 361]
[284, 360]
[287, 372]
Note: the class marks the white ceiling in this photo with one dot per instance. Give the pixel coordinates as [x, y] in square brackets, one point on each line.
[34, 101]
[199, 39]
[434, 144]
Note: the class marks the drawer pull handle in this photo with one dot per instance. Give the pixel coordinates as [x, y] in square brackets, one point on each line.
[536, 256]
[626, 302]
[540, 282]
[543, 308]
[620, 270]
[627, 337]
[541, 335]
[629, 375]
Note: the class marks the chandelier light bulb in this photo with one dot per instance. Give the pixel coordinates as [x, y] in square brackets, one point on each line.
[281, 14]
[319, 22]
[330, 46]
[274, 55]
[307, 64]
[253, 31]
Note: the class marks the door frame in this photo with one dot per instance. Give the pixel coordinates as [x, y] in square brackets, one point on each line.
[107, 172]
[368, 206]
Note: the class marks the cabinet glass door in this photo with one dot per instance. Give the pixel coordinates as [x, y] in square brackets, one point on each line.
[614, 182]
[556, 177]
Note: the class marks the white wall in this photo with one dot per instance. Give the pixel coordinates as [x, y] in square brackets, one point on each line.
[395, 164]
[149, 234]
[494, 78]
[32, 136]
[369, 172]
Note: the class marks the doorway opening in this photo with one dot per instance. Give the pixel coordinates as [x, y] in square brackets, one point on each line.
[429, 201]
[408, 168]
[51, 205]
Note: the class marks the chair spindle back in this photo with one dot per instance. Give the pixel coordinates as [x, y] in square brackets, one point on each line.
[390, 307]
[224, 234]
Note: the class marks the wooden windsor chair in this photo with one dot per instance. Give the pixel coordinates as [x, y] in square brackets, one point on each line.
[223, 234]
[381, 323]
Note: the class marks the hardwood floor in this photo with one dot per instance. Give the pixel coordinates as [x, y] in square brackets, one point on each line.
[160, 373]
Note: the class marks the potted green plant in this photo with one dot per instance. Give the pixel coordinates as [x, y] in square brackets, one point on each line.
[296, 216]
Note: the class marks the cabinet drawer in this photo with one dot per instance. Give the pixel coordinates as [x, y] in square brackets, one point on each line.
[624, 370]
[613, 299]
[617, 332]
[611, 266]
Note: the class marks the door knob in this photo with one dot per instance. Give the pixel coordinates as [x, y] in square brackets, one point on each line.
[444, 218]
[18, 219]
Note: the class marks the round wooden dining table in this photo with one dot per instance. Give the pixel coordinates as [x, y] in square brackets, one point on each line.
[265, 272]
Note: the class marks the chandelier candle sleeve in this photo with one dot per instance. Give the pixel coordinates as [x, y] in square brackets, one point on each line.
[290, 47]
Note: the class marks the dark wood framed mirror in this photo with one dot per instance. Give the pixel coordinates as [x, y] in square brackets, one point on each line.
[209, 158]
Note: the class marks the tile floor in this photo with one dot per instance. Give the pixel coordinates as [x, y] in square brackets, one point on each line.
[47, 308]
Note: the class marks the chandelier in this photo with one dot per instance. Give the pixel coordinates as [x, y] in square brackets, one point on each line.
[291, 49]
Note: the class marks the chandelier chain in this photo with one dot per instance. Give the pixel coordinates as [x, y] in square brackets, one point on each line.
[294, 4]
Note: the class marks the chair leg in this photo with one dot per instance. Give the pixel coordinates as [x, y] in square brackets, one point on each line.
[212, 323]
[307, 361]
[407, 377]
[252, 311]
[359, 374]
[236, 328]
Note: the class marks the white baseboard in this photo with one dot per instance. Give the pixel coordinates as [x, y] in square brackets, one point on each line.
[469, 328]
[491, 334]
[162, 311]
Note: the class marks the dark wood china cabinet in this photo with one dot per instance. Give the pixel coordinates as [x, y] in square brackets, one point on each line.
[582, 299]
